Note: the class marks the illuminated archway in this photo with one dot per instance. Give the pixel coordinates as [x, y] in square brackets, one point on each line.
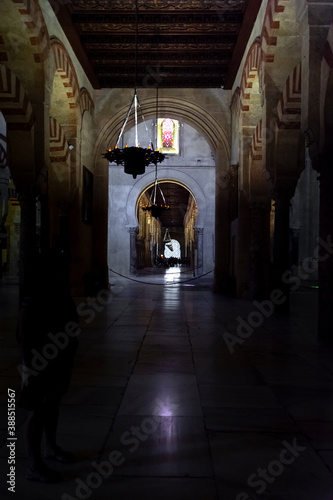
[177, 224]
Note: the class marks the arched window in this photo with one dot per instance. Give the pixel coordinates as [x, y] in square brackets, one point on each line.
[168, 136]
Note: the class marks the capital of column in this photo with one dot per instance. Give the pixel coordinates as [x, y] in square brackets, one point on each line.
[133, 229]
[199, 230]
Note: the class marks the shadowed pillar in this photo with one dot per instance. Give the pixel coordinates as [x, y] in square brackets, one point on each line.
[133, 252]
[325, 259]
[222, 229]
[199, 231]
[28, 240]
[281, 262]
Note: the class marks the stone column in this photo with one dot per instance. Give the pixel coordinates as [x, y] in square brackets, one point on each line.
[28, 240]
[259, 250]
[133, 251]
[325, 257]
[281, 261]
[100, 223]
[199, 233]
[3, 242]
[222, 281]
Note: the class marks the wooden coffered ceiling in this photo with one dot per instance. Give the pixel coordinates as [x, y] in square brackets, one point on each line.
[181, 43]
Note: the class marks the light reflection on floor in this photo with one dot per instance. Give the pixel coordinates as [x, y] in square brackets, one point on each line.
[172, 275]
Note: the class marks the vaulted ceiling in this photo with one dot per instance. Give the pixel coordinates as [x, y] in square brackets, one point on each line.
[180, 43]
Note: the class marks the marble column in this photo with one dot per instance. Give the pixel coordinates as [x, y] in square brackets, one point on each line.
[133, 250]
[281, 260]
[199, 234]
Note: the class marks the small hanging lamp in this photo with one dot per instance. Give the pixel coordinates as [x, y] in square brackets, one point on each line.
[156, 209]
[134, 158]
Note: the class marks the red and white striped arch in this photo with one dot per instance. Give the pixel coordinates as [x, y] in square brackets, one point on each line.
[59, 151]
[290, 104]
[14, 103]
[250, 72]
[66, 70]
[256, 147]
[36, 31]
[86, 102]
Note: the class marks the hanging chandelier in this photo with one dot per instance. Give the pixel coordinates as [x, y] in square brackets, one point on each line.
[135, 159]
[156, 209]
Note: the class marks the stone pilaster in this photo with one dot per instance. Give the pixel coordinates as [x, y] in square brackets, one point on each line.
[133, 250]
[258, 275]
[28, 240]
[325, 259]
[281, 258]
[222, 228]
[199, 233]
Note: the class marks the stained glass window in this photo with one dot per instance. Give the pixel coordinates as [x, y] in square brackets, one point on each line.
[168, 136]
[168, 133]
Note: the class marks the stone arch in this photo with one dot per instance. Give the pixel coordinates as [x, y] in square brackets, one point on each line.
[14, 102]
[25, 44]
[250, 77]
[289, 143]
[66, 71]
[64, 106]
[165, 174]
[86, 102]
[260, 180]
[176, 108]
[35, 23]
[59, 151]
[280, 41]
[86, 134]
[290, 104]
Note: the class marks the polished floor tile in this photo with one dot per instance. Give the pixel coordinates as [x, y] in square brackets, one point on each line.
[160, 446]
[155, 380]
[268, 466]
[163, 394]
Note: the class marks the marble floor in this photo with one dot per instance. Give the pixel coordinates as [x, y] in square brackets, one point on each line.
[181, 393]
